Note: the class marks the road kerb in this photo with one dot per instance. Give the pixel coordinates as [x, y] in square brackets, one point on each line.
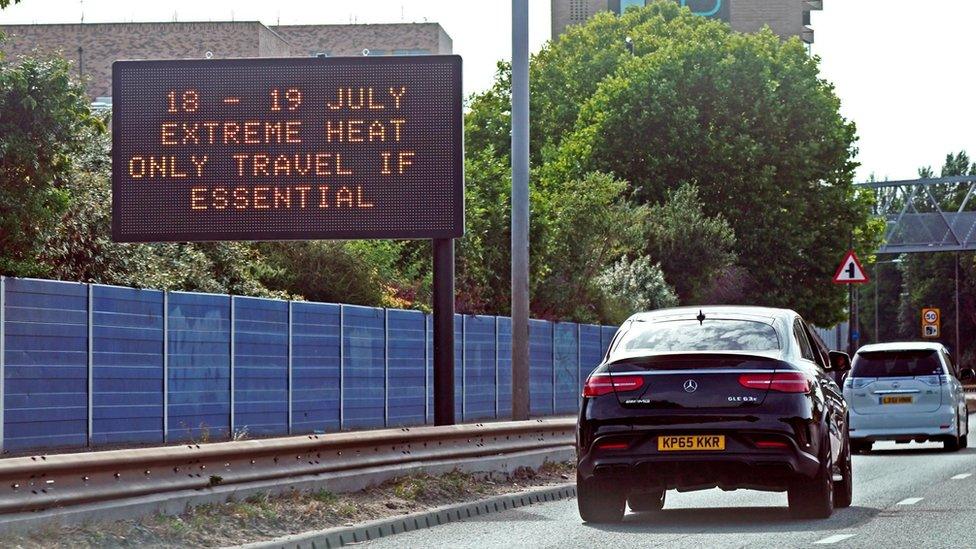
[340, 536]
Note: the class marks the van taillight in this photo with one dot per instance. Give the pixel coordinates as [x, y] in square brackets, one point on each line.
[783, 382]
[602, 384]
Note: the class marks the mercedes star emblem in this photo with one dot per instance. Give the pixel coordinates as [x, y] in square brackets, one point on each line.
[691, 386]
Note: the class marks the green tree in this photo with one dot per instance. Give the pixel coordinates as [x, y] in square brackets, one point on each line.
[45, 123]
[692, 249]
[580, 228]
[748, 120]
[79, 247]
[5, 3]
[483, 256]
[358, 273]
[633, 286]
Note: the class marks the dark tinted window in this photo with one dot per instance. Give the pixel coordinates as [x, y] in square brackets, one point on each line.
[801, 337]
[896, 364]
[691, 335]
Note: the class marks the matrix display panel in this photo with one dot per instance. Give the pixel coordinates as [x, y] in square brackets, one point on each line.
[286, 149]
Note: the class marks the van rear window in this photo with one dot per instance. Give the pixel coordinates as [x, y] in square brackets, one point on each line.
[896, 364]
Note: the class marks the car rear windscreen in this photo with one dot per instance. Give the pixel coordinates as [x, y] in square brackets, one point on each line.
[896, 364]
[692, 335]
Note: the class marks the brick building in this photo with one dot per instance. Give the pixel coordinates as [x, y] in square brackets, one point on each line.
[786, 18]
[95, 46]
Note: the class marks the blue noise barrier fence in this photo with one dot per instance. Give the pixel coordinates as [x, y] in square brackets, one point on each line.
[90, 365]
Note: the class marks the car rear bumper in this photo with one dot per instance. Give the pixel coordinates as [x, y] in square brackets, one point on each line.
[904, 425]
[642, 467]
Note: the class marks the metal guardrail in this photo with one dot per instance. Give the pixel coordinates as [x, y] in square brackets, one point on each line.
[44, 482]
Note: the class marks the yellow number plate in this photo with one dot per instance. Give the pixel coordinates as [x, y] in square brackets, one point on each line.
[690, 443]
[896, 400]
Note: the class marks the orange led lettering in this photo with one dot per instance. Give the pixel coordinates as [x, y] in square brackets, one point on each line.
[198, 202]
[282, 197]
[397, 96]
[404, 160]
[173, 172]
[396, 128]
[377, 132]
[322, 164]
[168, 132]
[385, 170]
[344, 196]
[372, 104]
[336, 132]
[291, 131]
[282, 166]
[359, 104]
[137, 167]
[302, 194]
[240, 198]
[157, 166]
[211, 128]
[355, 130]
[338, 163]
[323, 196]
[199, 162]
[359, 199]
[338, 102]
[261, 162]
[303, 169]
[261, 198]
[294, 98]
[190, 133]
[240, 163]
[272, 132]
[220, 201]
[251, 132]
[230, 132]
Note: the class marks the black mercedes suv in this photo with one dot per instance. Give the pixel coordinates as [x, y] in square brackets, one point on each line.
[727, 397]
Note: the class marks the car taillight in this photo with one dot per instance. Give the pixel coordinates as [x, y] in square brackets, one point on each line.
[783, 382]
[858, 382]
[771, 444]
[602, 384]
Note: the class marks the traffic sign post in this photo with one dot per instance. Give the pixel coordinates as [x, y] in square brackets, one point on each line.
[931, 323]
[296, 149]
[851, 272]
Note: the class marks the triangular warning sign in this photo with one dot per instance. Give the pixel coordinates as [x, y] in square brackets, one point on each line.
[850, 271]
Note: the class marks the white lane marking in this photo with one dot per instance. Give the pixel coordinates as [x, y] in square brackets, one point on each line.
[962, 476]
[909, 501]
[833, 539]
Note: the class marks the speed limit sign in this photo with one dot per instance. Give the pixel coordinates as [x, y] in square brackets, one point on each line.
[931, 325]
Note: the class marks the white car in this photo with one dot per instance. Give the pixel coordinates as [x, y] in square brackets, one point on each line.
[905, 392]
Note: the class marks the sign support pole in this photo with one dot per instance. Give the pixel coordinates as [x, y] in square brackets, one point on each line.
[443, 331]
[957, 351]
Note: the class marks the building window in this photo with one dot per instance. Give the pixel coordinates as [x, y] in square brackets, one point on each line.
[624, 4]
[411, 52]
[577, 11]
[371, 52]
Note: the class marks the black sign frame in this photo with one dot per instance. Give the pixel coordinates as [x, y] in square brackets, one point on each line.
[456, 219]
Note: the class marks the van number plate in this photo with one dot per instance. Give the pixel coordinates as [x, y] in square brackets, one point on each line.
[896, 400]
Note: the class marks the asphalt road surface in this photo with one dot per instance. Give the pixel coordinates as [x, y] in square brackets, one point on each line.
[912, 495]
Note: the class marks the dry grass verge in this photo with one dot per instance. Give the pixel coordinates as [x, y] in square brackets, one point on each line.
[266, 517]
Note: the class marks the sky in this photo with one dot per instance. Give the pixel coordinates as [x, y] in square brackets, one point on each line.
[902, 68]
